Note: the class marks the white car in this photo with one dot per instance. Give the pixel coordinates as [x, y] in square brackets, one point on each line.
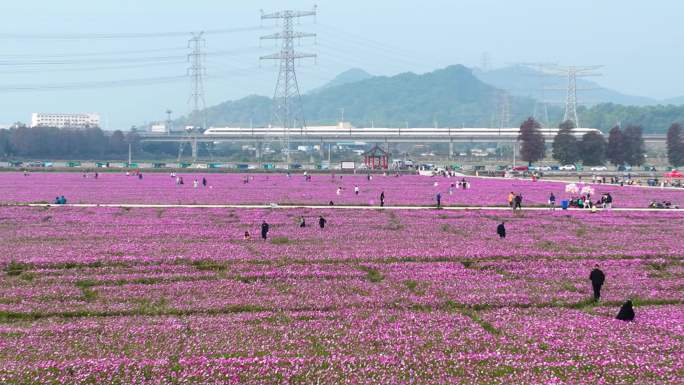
[599, 168]
[567, 167]
[544, 168]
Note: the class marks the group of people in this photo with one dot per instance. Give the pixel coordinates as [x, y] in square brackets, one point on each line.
[265, 227]
[598, 278]
[662, 205]
[60, 200]
[135, 173]
[515, 201]
[195, 183]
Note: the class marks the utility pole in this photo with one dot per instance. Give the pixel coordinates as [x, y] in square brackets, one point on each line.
[287, 104]
[168, 121]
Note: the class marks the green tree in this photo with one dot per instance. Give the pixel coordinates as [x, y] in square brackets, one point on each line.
[533, 147]
[615, 151]
[565, 147]
[675, 145]
[634, 145]
[117, 143]
[593, 149]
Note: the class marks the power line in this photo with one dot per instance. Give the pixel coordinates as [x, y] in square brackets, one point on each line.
[113, 36]
[113, 83]
[160, 59]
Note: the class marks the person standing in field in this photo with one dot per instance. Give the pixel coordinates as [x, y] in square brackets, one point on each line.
[438, 197]
[382, 199]
[302, 222]
[597, 278]
[356, 190]
[511, 197]
[518, 202]
[204, 181]
[501, 230]
[322, 222]
[552, 201]
[264, 230]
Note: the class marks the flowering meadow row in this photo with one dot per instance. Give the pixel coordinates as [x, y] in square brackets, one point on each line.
[179, 296]
[159, 188]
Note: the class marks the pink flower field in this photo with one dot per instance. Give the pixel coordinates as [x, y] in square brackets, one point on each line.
[100, 295]
[156, 188]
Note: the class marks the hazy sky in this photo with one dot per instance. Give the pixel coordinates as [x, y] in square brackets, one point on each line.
[638, 42]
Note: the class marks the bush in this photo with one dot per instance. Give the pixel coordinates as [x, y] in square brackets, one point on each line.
[15, 268]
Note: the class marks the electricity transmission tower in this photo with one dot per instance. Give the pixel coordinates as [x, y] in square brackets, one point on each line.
[287, 105]
[504, 109]
[197, 73]
[571, 100]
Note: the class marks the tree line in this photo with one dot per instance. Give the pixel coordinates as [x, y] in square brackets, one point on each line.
[625, 146]
[63, 143]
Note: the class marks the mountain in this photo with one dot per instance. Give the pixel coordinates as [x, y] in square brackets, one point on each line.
[678, 101]
[452, 96]
[449, 97]
[525, 81]
[350, 76]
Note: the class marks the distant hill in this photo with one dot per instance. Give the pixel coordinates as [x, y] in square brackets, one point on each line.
[450, 97]
[525, 81]
[350, 76]
[678, 101]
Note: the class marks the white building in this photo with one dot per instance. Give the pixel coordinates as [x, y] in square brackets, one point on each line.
[65, 120]
[159, 128]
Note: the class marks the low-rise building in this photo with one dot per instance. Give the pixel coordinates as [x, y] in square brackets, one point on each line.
[65, 120]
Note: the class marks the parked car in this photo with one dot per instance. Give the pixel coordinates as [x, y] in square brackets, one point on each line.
[599, 168]
[625, 168]
[544, 168]
[567, 167]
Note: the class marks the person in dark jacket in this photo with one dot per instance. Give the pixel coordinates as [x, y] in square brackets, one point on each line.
[501, 230]
[518, 202]
[626, 312]
[322, 222]
[382, 199]
[597, 278]
[204, 182]
[264, 230]
[302, 222]
[438, 197]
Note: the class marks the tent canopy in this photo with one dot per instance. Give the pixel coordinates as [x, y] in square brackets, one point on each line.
[674, 174]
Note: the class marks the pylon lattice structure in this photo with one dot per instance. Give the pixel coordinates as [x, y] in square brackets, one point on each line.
[288, 111]
[571, 100]
[197, 72]
[504, 109]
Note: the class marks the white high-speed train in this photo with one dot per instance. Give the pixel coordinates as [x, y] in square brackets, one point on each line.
[375, 132]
